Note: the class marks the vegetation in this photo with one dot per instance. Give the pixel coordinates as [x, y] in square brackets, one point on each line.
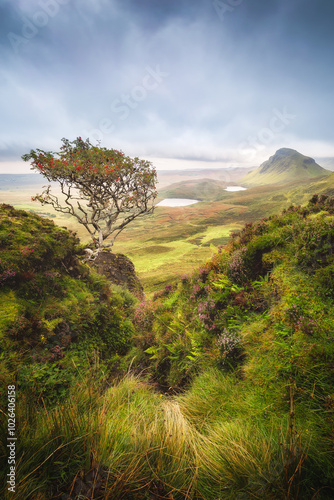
[198, 189]
[50, 300]
[173, 241]
[103, 189]
[219, 386]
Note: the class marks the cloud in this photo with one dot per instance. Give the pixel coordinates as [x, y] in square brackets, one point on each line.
[89, 71]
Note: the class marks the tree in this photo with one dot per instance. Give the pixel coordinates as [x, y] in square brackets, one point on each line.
[102, 188]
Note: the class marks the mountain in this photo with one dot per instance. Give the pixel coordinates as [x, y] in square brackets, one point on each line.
[285, 165]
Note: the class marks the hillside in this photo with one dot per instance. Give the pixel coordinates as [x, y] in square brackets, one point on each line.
[49, 299]
[220, 386]
[198, 189]
[285, 165]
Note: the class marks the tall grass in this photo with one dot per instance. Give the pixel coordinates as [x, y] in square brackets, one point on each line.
[127, 441]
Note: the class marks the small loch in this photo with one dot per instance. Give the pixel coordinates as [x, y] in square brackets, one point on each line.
[235, 188]
[176, 202]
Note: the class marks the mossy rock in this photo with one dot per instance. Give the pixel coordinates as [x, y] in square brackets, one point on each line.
[49, 298]
[120, 270]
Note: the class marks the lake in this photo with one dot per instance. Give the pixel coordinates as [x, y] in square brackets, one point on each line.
[176, 202]
[235, 188]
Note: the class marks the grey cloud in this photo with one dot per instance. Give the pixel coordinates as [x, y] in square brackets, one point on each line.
[87, 70]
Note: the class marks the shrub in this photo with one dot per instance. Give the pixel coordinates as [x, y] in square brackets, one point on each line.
[236, 268]
[110, 330]
[208, 313]
[229, 344]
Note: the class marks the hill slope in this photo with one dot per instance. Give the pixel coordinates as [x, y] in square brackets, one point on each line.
[48, 300]
[285, 165]
[241, 352]
[199, 189]
[232, 174]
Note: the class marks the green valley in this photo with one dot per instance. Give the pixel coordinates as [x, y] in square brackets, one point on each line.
[187, 232]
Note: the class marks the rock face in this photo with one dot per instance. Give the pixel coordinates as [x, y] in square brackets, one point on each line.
[119, 270]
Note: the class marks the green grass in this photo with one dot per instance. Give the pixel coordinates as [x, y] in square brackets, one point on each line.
[225, 389]
[9, 309]
[210, 443]
[135, 441]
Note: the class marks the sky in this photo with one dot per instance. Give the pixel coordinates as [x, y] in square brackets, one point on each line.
[182, 83]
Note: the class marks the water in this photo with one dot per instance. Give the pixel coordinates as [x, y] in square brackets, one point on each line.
[176, 202]
[235, 188]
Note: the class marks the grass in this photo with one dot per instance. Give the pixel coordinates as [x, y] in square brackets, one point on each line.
[127, 441]
[224, 391]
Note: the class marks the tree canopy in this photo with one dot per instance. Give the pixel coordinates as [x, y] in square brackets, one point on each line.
[104, 189]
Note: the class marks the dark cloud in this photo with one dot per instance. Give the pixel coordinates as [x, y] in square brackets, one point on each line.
[170, 79]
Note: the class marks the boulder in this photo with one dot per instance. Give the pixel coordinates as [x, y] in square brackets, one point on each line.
[120, 270]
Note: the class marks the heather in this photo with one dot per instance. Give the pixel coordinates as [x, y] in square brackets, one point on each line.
[217, 386]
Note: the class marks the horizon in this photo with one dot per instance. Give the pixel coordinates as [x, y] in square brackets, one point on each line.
[167, 165]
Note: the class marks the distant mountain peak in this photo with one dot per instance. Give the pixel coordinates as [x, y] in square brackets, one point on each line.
[285, 165]
[286, 151]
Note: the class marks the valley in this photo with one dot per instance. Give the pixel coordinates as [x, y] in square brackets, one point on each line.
[175, 240]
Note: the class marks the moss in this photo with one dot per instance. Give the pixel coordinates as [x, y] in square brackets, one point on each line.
[49, 299]
[9, 309]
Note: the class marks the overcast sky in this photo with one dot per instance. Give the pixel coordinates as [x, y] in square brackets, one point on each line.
[226, 82]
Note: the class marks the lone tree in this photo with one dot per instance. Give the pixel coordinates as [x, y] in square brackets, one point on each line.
[102, 188]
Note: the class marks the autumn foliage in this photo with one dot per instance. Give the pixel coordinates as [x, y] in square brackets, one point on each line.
[104, 189]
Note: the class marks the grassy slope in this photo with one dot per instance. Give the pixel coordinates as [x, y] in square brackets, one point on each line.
[242, 352]
[266, 306]
[48, 298]
[203, 189]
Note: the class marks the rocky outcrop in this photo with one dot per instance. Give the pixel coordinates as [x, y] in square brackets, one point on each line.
[119, 269]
